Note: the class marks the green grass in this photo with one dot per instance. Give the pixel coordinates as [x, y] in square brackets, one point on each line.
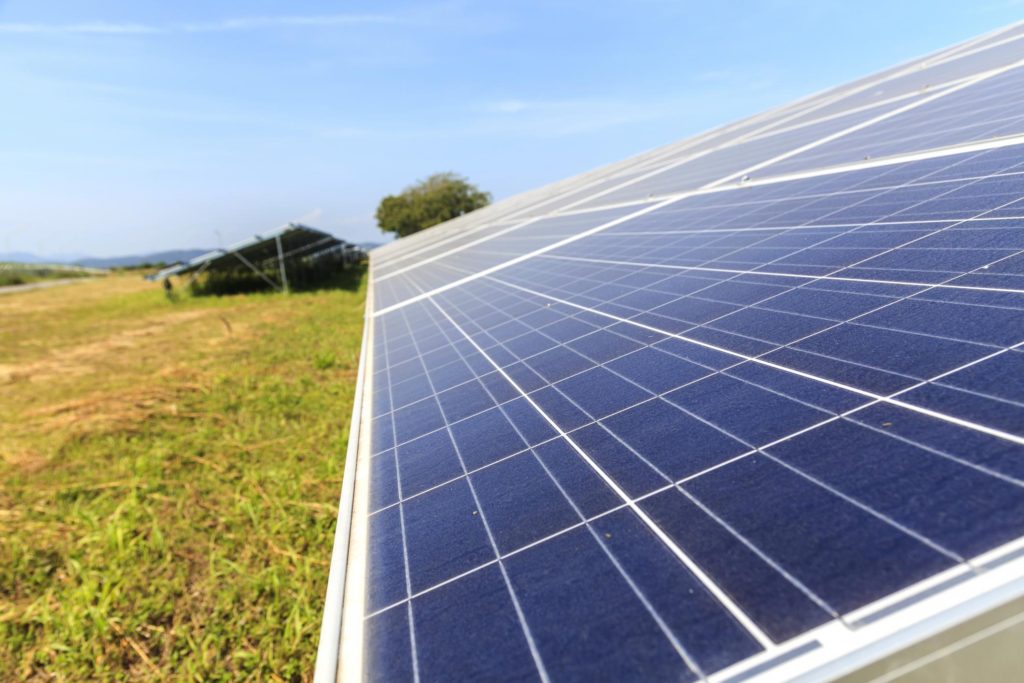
[169, 480]
[23, 274]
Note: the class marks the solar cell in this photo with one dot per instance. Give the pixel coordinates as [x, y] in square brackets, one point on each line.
[987, 109]
[943, 69]
[759, 428]
[737, 158]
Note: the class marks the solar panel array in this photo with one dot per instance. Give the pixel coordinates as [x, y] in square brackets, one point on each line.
[290, 241]
[739, 407]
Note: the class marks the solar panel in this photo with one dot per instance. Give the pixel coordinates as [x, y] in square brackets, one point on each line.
[292, 240]
[747, 407]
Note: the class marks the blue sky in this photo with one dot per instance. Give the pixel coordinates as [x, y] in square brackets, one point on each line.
[130, 127]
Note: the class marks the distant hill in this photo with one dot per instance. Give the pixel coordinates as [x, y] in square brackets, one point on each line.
[20, 257]
[173, 256]
[166, 257]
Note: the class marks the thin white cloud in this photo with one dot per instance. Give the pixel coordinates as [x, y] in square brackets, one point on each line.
[95, 27]
[220, 26]
[311, 216]
[1000, 6]
[731, 75]
[753, 78]
[715, 76]
[341, 132]
[558, 117]
[317, 21]
[507, 106]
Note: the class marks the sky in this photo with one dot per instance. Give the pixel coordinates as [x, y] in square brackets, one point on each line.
[128, 127]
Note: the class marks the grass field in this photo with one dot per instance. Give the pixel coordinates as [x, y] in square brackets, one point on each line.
[23, 274]
[169, 475]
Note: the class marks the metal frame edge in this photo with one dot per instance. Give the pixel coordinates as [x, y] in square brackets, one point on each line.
[329, 647]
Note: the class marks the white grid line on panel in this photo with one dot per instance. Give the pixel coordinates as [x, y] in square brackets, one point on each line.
[801, 107]
[797, 276]
[753, 135]
[669, 481]
[401, 515]
[679, 482]
[759, 306]
[534, 652]
[755, 449]
[519, 259]
[644, 158]
[717, 282]
[711, 586]
[926, 286]
[648, 208]
[760, 361]
[877, 162]
[977, 78]
[926, 62]
[583, 521]
[503, 556]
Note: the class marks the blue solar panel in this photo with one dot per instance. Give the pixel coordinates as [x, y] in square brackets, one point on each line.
[735, 432]
[987, 109]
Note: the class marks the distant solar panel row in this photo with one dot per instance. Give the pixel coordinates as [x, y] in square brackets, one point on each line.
[716, 435]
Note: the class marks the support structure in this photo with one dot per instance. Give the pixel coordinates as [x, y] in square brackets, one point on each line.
[256, 270]
[288, 244]
[195, 274]
[280, 263]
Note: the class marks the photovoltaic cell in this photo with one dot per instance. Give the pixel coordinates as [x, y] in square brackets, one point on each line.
[682, 439]
[726, 161]
[928, 75]
[946, 68]
[494, 251]
[988, 109]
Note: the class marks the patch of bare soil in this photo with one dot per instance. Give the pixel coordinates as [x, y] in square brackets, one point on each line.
[82, 359]
[27, 460]
[123, 411]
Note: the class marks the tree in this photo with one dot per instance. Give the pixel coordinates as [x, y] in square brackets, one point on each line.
[439, 198]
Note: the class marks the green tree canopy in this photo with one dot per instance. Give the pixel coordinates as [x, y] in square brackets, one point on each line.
[439, 198]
